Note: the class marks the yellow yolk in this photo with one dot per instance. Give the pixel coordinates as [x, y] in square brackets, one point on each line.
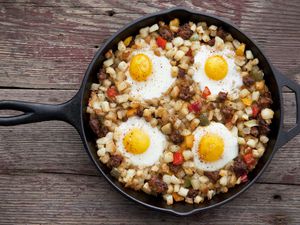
[216, 67]
[211, 147]
[136, 141]
[140, 67]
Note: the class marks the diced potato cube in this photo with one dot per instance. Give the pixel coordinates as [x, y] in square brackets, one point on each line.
[213, 27]
[195, 184]
[224, 181]
[121, 86]
[122, 66]
[153, 28]
[255, 95]
[95, 87]
[121, 46]
[241, 141]
[122, 98]
[179, 54]
[219, 43]
[249, 54]
[169, 46]
[168, 198]
[264, 139]
[146, 188]
[168, 157]
[236, 43]
[175, 180]
[101, 152]
[187, 154]
[203, 179]
[183, 191]
[167, 179]
[167, 129]
[260, 85]
[108, 62]
[178, 41]
[190, 116]
[244, 92]
[198, 199]
[205, 38]
[144, 32]
[252, 143]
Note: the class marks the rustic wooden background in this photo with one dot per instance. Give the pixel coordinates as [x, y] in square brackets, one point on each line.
[46, 176]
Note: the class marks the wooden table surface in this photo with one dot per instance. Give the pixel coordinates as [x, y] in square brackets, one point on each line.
[45, 175]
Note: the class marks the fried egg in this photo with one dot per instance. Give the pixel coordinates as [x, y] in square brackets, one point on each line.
[214, 146]
[148, 74]
[216, 70]
[138, 142]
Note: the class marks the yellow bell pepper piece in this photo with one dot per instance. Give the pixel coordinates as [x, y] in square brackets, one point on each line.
[177, 197]
[131, 112]
[247, 101]
[240, 50]
[127, 41]
[189, 140]
[174, 22]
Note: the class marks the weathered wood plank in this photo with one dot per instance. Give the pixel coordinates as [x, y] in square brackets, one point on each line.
[53, 199]
[49, 44]
[56, 146]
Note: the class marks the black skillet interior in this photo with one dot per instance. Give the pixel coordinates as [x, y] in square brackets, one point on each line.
[184, 15]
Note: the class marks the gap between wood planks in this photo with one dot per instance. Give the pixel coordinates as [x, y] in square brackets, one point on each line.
[21, 172]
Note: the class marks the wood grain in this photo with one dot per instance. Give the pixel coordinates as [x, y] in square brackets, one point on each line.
[50, 44]
[45, 175]
[56, 147]
[71, 199]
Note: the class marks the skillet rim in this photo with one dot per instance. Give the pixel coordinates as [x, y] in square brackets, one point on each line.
[82, 122]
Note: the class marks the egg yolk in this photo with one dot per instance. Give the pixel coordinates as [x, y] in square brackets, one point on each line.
[136, 141]
[140, 67]
[216, 67]
[211, 147]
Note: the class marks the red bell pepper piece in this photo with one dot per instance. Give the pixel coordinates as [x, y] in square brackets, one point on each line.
[177, 158]
[189, 53]
[244, 178]
[249, 159]
[255, 110]
[195, 107]
[112, 92]
[206, 92]
[161, 42]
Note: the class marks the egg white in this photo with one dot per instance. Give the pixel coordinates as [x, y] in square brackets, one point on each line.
[230, 146]
[157, 83]
[233, 80]
[158, 142]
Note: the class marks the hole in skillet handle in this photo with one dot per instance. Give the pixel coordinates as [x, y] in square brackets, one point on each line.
[286, 135]
[8, 113]
[35, 112]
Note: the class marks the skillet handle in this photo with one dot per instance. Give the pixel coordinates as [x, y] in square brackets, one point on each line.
[286, 136]
[34, 112]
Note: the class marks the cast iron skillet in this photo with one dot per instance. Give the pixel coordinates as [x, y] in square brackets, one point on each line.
[73, 111]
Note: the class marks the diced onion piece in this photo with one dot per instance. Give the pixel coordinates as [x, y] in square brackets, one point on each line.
[267, 113]
[251, 123]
